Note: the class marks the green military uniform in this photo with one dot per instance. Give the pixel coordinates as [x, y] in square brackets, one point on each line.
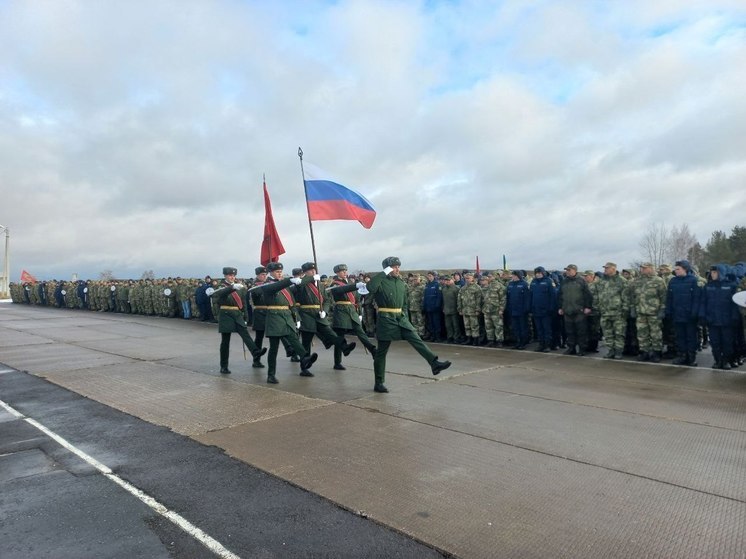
[493, 309]
[416, 297]
[450, 311]
[613, 305]
[390, 293]
[470, 299]
[346, 311]
[648, 307]
[280, 322]
[231, 319]
[594, 318]
[313, 320]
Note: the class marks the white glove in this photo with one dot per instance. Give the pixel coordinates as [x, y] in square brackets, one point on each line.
[387, 270]
[329, 288]
[316, 277]
[360, 285]
[360, 316]
[322, 314]
[295, 281]
[297, 325]
[238, 285]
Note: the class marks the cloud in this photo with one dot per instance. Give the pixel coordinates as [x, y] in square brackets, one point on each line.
[134, 136]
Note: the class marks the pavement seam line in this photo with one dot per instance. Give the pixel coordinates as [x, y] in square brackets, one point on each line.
[209, 542]
[550, 454]
[570, 402]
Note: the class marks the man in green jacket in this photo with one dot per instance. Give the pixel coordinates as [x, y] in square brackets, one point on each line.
[390, 293]
[280, 323]
[230, 297]
[346, 312]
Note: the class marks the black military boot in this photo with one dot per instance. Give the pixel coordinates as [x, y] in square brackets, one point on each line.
[681, 359]
[655, 356]
[225, 371]
[380, 388]
[644, 356]
[308, 360]
[339, 367]
[691, 360]
[438, 366]
[725, 365]
[258, 353]
[271, 379]
[257, 364]
[347, 348]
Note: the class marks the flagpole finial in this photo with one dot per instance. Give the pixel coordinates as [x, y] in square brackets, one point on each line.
[300, 153]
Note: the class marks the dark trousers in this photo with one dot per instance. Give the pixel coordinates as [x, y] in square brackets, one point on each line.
[434, 323]
[686, 337]
[544, 330]
[357, 329]
[324, 333]
[274, 343]
[225, 345]
[721, 342]
[519, 326]
[576, 327]
[379, 361]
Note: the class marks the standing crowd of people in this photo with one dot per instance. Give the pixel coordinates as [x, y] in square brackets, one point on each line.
[668, 313]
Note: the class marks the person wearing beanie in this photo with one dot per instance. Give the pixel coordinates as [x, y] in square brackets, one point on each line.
[682, 306]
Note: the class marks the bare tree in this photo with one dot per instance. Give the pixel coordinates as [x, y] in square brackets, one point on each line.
[681, 240]
[106, 275]
[148, 275]
[655, 244]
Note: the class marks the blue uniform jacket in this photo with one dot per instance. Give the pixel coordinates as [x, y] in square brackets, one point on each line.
[433, 299]
[717, 306]
[518, 300]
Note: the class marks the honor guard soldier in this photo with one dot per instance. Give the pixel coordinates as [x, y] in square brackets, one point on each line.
[312, 315]
[280, 323]
[259, 316]
[346, 312]
[230, 297]
[390, 293]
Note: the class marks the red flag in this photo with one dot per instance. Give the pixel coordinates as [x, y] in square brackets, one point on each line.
[27, 278]
[271, 245]
[478, 270]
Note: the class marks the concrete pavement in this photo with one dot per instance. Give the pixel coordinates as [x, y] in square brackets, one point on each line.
[507, 453]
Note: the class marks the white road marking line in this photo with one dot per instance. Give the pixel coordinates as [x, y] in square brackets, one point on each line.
[206, 540]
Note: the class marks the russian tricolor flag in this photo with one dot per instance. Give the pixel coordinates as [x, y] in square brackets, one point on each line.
[328, 199]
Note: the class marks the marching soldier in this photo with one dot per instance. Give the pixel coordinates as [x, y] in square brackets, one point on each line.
[390, 293]
[280, 323]
[346, 312]
[313, 316]
[229, 298]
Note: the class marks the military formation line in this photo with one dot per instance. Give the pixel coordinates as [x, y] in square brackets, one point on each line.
[668, 313]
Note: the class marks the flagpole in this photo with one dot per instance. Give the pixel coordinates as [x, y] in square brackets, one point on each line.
[308, 209]
[264, 194]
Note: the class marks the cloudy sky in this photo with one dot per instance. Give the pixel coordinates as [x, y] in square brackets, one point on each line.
[134, 134]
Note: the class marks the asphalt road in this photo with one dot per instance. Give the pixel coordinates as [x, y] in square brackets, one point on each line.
[53, 504]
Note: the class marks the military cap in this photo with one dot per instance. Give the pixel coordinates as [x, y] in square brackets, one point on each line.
[297, 271]
[228, 271]
[589, 273]
[571, 267]
[433, 272]
[260, 270]
[468, 275]
[308, 266]
[391, 261]
[272, 266]
[609, 265]
[664, 268]
[340, 268]
[646, 265]
[324, 276]
[446, 277]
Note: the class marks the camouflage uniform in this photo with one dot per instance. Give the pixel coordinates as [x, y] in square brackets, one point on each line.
[648, 307]
[450, 311]
[493, 308]
[469, 306]
[613, 305]
[594, 318]
[669, 339]
[416, 296]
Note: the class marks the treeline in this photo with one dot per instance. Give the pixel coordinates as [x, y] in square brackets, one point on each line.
[721, 247]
